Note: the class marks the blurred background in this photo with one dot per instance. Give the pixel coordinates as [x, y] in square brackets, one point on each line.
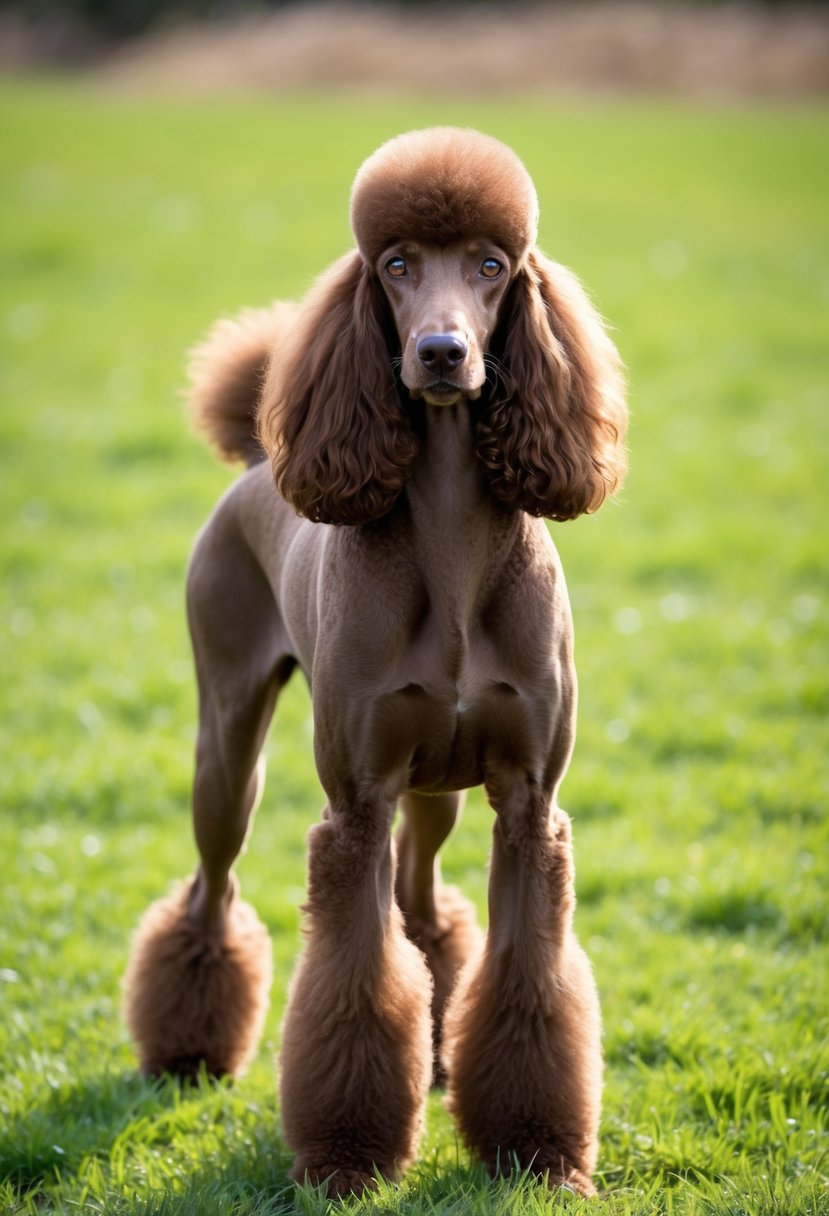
[706, 49]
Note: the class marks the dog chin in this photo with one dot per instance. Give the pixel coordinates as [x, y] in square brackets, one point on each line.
[448, 395]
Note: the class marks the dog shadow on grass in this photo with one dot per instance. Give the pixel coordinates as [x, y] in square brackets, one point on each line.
[116, 1129]
[215, 1146]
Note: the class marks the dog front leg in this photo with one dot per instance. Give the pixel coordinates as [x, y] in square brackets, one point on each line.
[522, 1031]
[356, 1051]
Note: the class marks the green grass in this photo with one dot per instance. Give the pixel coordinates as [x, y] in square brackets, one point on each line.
[699, 785]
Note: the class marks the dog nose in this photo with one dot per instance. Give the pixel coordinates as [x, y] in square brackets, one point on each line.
[441, 353]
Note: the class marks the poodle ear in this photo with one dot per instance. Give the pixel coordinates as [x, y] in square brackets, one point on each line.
[329, 418]
[552, 438]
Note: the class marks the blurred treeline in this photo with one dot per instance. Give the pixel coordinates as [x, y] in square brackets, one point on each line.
[116, 20]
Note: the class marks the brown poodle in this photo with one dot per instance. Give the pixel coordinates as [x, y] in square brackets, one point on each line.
[442, 388]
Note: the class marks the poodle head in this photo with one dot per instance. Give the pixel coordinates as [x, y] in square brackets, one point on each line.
[484, 317]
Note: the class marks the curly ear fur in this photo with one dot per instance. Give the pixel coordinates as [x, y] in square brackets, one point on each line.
[551, 440]
[330, 418]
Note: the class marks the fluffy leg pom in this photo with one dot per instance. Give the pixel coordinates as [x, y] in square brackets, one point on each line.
[354, 1087]
[355, 1076]
[192, 997]
[356, 1043]
[522, 1031]
[525, 1076]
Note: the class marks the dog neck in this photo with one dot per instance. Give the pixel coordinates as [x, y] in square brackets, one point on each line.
[462, 537]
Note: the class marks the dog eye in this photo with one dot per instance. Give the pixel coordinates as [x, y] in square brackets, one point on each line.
[396, 267]
[491, 268]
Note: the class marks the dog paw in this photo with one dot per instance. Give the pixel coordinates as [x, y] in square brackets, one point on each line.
[339, 1183]
[573, 1181]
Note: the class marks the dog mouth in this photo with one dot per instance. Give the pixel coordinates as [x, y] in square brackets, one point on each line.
[444, 392]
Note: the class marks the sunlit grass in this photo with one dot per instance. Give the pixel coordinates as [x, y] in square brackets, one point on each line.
[699, 785]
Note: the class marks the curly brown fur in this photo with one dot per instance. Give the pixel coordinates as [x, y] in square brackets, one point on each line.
[551, 440]
[340, 444]
[192, 998]
[442, 386]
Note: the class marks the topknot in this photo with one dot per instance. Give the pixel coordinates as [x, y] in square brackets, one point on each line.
[441, 185]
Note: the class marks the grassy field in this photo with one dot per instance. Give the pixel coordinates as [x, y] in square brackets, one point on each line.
[699, 785]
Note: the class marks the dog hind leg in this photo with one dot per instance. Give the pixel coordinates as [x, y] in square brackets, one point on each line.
[439, 920]
[197, 985]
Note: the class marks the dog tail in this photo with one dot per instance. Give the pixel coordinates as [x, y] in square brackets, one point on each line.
[226, 372]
